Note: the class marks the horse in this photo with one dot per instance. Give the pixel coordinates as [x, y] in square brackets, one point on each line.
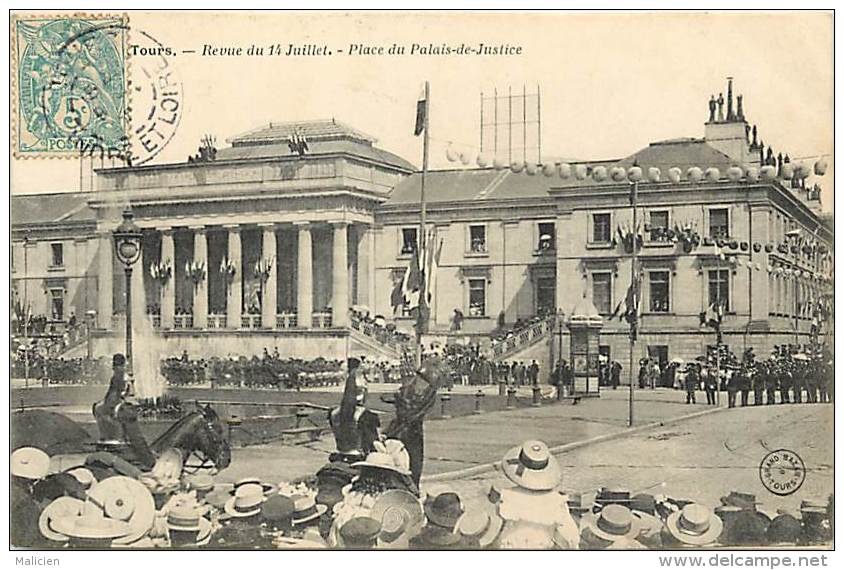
[200, 434]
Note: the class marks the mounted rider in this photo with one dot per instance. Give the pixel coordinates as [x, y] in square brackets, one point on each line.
[117, 418]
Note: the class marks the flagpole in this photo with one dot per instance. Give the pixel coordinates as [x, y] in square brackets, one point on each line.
[633, 202]
[420, 244]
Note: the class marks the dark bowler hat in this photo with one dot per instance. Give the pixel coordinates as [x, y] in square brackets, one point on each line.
[353, 363]
[118, 360]
[360, 532]
[444, 510]
[784, 529]
[277, 512]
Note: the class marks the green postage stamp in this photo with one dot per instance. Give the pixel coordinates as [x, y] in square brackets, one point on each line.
[69, 80]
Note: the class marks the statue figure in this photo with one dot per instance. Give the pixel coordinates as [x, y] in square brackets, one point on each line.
[720, 107]
[754, 136]
[779, 164]
[762, 154]
[746, 133]
[740, 108]
[769, 160]
[712, 105]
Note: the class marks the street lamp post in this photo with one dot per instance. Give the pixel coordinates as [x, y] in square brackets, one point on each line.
[127, 247]
[26, 313]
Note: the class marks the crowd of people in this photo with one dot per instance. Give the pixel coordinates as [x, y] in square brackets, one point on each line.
[64, 371]
[372, 503]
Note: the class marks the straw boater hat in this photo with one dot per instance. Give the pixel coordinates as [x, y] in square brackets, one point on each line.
[401, 501]
[185, 523]
[306, 509]
[29, 463]
[267, 488]
[202, 483]
[480, 525]
[531, 466]
[246, 501]
[61, 507]
[124, 499]
[83, 475]
[612, 523]
[695, 524]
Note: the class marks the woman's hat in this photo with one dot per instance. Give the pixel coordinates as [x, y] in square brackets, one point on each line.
[480, 525]
[401, 502]
[695, 524]
[124, 499]
[61, 507]
[29, 463]
[267, 488]
[613, 522]
[306, 509]
[444, 510]
[90, 527]
[744, 528]
[531, 466]
[381, 460]
[360, 532]
[246, 501]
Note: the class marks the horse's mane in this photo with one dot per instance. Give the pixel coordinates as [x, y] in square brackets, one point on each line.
[175, 431]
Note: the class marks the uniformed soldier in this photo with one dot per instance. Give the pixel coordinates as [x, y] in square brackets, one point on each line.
[758, 381]
[744, 384]
[770, 382]
[798, 382]
[785, 380]
[710, 384]
[732, 387]
[692, 382]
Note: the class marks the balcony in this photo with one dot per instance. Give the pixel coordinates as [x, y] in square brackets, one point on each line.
[286, 320]
[321, 320]
[217, 321]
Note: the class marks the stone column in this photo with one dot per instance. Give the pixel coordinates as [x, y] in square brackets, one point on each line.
[105, 277]
[340, 276]
[200, 290]
[365, 261]
[168, 288]
[234, 290]
[304, 278]
[269, 293]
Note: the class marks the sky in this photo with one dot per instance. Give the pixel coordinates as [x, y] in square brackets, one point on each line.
[611, 82]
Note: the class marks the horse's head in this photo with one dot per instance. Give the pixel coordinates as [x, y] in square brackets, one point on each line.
[212, 440]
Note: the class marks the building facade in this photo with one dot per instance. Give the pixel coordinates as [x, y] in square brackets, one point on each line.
[264, 244]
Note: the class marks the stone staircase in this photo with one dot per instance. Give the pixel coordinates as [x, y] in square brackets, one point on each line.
[528, 337]
[375, 340]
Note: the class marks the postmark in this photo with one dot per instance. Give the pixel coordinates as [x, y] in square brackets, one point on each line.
[782, 472]
[69, 84]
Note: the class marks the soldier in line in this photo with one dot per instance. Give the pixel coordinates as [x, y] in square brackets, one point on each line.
[785, 384]
[770, 384]
[732, 388]
[758, 381]
[798, 381]
[710, 384]
[692, 382]
[744, 374]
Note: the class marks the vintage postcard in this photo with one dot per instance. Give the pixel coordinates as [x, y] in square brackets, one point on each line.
[422, 281]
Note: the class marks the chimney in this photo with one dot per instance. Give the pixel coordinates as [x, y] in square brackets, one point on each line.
[731, 136]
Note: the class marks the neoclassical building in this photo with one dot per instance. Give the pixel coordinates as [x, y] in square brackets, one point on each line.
[258, 245]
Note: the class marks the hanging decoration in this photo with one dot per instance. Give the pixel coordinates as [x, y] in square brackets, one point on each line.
[161, 271]
[262, 269]
[227, 270]
[195, 271]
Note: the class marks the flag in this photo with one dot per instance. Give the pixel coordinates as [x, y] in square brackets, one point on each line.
[421, 113]
[412, 283]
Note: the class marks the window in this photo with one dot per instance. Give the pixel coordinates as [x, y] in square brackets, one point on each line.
[408, 240]
[719, 223]
[477, 239]
[547, 237]
[58, 254]
[719, 288]
[602, 292]
[601, 228]
[659, 291]
[546, 295]
[659, 225]
[477, 297]
[57, 304]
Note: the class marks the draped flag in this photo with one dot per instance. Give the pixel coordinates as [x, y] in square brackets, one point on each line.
[421, 113]
[629, 307]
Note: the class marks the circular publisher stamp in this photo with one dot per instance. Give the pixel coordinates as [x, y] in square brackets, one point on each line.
[782, 472]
